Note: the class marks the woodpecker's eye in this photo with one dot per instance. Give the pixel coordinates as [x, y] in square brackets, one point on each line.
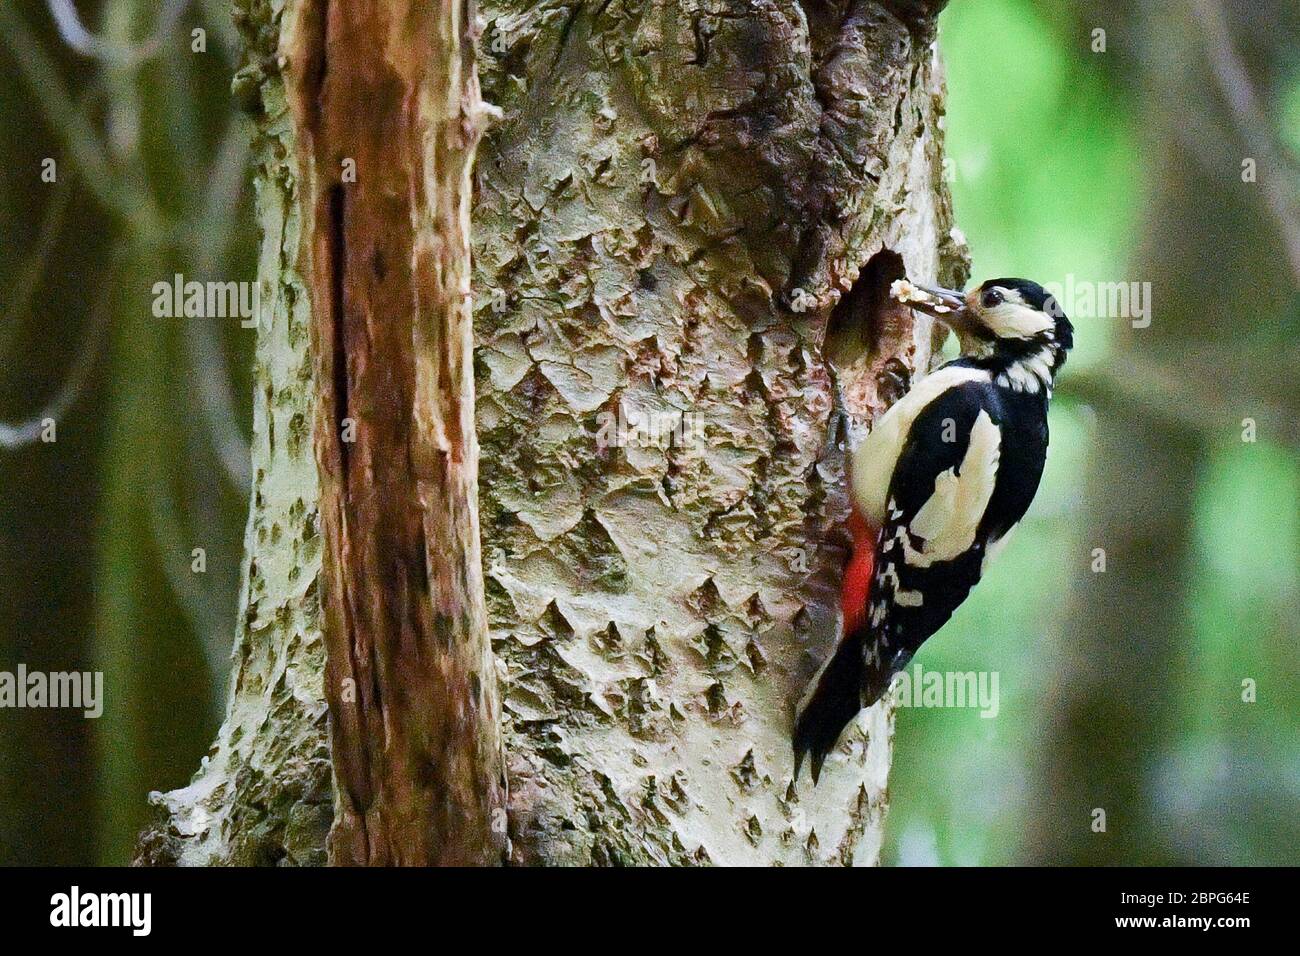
[990, 298]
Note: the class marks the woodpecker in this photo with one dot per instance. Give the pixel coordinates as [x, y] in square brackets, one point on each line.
[936, 488]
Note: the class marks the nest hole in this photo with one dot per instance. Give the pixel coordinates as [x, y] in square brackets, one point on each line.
[869, 337]
[866, 317]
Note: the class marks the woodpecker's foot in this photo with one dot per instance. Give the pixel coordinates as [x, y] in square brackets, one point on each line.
[893, 381]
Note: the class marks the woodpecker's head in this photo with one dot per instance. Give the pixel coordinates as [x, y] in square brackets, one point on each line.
[1010, 312]
[1003, 320]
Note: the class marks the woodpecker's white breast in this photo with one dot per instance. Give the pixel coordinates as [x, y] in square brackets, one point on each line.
[872, 464]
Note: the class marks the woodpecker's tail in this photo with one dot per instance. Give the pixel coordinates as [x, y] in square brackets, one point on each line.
[847, 684]
[834, 701]
[835, 694]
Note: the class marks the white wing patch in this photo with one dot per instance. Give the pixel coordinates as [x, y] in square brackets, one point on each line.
[948, 521]
[874, 459]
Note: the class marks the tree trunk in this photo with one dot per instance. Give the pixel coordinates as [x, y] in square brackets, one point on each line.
[689, 210]
[386, 101]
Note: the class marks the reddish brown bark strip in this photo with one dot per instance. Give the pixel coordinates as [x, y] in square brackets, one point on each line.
[388, 91]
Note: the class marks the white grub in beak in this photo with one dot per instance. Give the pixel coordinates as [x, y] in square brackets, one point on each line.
[944, 304]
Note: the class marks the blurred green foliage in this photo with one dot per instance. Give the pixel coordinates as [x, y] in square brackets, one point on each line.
[97, 529]
[1045, 166]
[1047, 179]
[1288, 111]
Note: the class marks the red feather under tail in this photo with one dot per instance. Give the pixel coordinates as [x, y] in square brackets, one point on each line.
[855, 590]
[836, 696]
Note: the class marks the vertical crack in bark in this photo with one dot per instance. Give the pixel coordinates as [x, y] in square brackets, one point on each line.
[336, 266]
[316, 18]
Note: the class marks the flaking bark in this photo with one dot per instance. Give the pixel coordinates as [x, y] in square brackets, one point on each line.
[677, 198]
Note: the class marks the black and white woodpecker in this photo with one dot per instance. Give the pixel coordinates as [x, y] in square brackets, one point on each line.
[936, 488]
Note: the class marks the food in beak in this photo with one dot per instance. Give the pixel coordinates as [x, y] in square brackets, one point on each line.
[941, 303]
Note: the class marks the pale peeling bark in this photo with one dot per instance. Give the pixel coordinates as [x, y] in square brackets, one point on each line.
[678, 197]
[264, 793]
[670, 179]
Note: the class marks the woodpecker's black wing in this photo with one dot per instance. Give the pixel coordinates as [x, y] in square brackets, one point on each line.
[966, 472]
[933, 539]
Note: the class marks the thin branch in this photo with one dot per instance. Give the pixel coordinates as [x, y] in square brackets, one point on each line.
[16, 436]
[196, 603]
[206, 511]
[75, 35]
[221, 201]
[1252, 125]
[18, 302]
[217, 403]
[1188, 402]
[71, 123]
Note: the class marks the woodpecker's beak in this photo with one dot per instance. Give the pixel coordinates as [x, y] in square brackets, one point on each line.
[949, 307]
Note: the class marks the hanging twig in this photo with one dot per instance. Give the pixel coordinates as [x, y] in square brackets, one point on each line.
[16, 436]
[1253, 126]
[18, 302]
[216, 402]
[175, 554]
[221, 201]
[69, 120]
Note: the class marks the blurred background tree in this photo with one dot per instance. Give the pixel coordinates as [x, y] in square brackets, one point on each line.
[99, 528]
[1120, 691]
